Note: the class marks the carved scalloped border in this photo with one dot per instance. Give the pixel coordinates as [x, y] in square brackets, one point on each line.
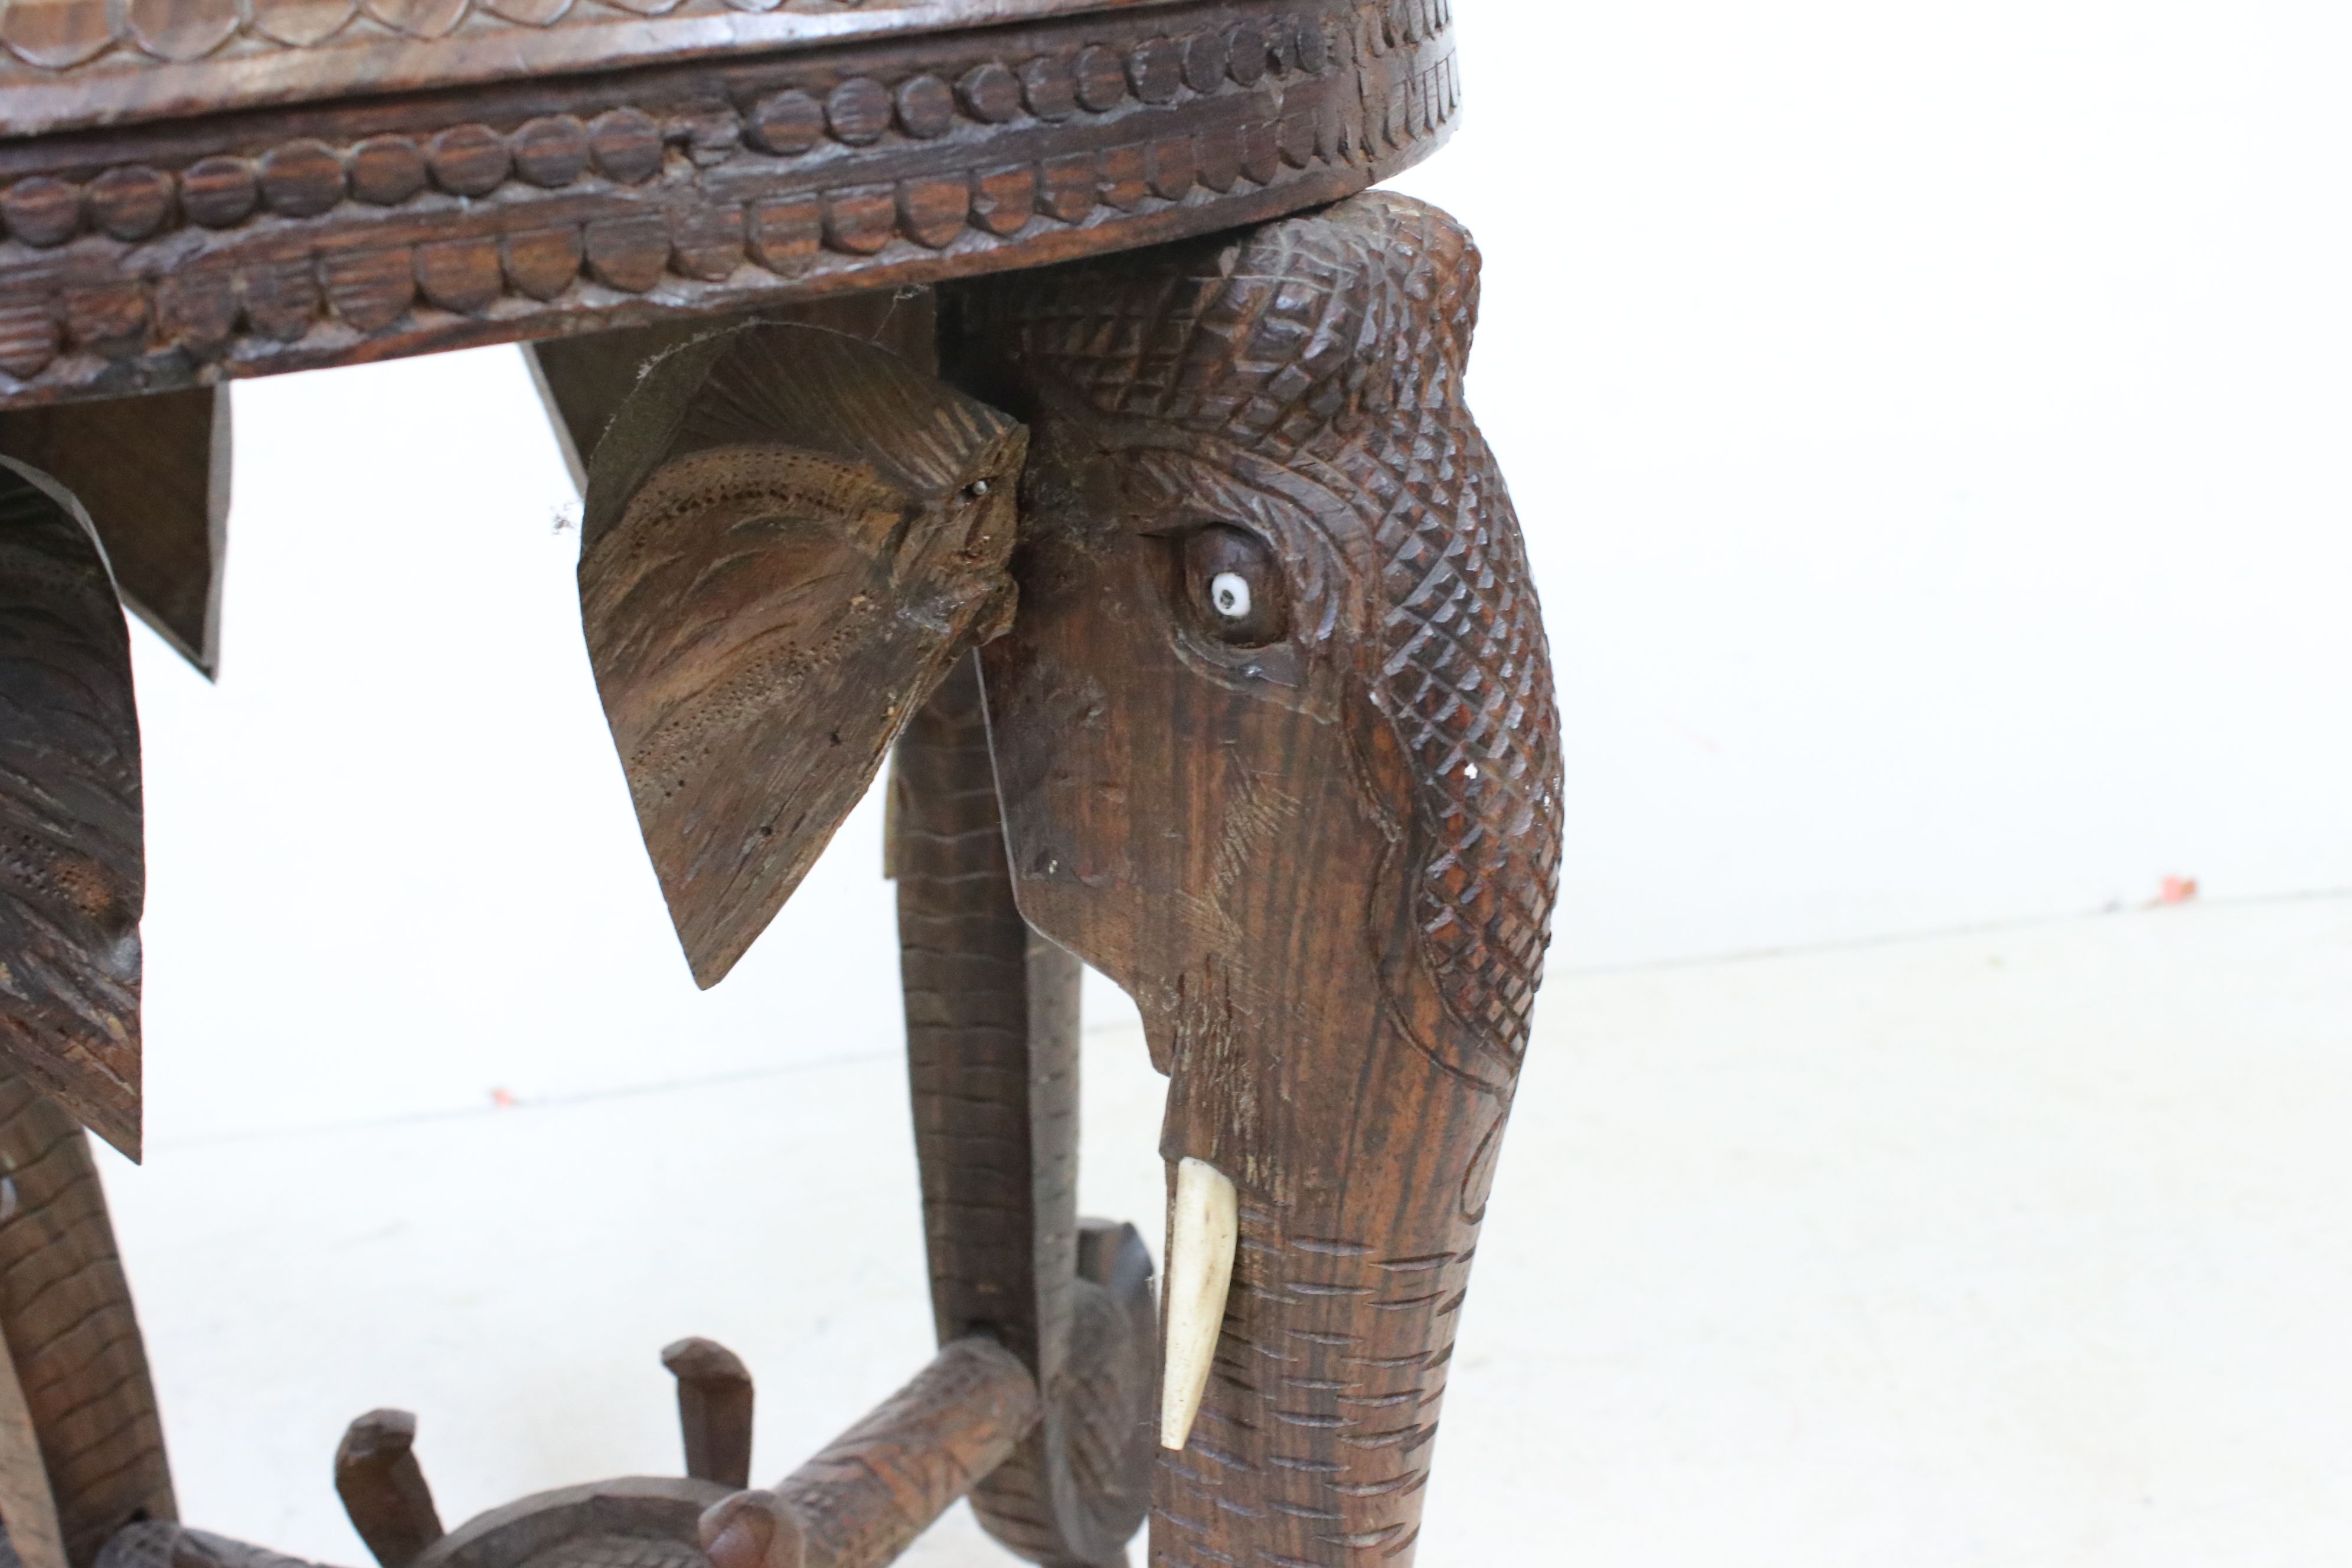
[44, 39]
[792, 181]
[77, 63]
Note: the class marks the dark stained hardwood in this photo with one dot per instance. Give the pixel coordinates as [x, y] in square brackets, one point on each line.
[71, 1336]
[714, 1410]
[29, 1536]
[863, 1499]
[753, 1530]
[72, 845]
[154, 474]
[1276, 750]
[1259, 721]
[158, 1544]
[789, 536]
[384, 1489]
[1269, 731]
[407, 215]
[584, 379]
[856, 1504]
[993, 1061]
[636, 1522]
[64, 63]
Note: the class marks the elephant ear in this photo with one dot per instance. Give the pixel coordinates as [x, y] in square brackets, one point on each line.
[791, 536]
[152, 474]
[73, 870]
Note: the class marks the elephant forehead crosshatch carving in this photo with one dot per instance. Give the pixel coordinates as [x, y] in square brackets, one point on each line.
[1321, 855]
[1316, 370]
[1141, 532]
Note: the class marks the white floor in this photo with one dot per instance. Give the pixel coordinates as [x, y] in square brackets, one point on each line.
[2028, 1246]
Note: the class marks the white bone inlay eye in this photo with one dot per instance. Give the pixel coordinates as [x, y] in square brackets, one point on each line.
[1230, 593]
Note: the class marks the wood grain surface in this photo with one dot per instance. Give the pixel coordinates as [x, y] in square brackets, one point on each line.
[791, 535]
[1276, 747]
[28, 1513]
[68, 63]
[993, 1061]
[154, 474]
[583, 380]
[159, 1543]
[863, 1499]
[633, 1521]
[384, 1487]
[714, 1410]
[72, 846]
[858, 1502]
[205, 247]
[71, 1333]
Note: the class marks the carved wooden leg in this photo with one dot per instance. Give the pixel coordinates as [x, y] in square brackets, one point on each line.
[84, 1453]
[1276, 751]
[1274, 747]
[992, 1058]
[81, 1450]
[792, 539]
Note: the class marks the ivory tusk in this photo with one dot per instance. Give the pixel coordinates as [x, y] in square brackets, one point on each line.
[1203, 1232]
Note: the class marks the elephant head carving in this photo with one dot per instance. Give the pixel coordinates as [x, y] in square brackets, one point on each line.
[1276, 750]
[1274, 747]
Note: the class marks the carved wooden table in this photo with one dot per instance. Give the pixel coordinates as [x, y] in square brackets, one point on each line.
[1154, 543]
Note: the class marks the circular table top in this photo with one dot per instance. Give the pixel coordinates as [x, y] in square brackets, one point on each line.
[295, 184]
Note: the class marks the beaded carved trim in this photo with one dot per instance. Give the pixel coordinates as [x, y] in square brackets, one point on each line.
[283, 242]
[74, 64]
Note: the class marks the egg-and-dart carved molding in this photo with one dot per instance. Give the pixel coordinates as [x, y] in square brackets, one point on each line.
[484, 217]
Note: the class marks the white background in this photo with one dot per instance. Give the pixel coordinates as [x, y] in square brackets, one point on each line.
[1930, 431]
[1930, 424]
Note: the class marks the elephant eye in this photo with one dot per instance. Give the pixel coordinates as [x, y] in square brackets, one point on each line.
[1233, 586]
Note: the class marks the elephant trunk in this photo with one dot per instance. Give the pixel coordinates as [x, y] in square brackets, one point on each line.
[1350, 1265]
[1314, 1433]
[993, 1061]
[1278, 752]
[89, 1444]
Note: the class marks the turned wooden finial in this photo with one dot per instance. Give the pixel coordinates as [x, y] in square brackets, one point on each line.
[383, 1488]
[714, 1410]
